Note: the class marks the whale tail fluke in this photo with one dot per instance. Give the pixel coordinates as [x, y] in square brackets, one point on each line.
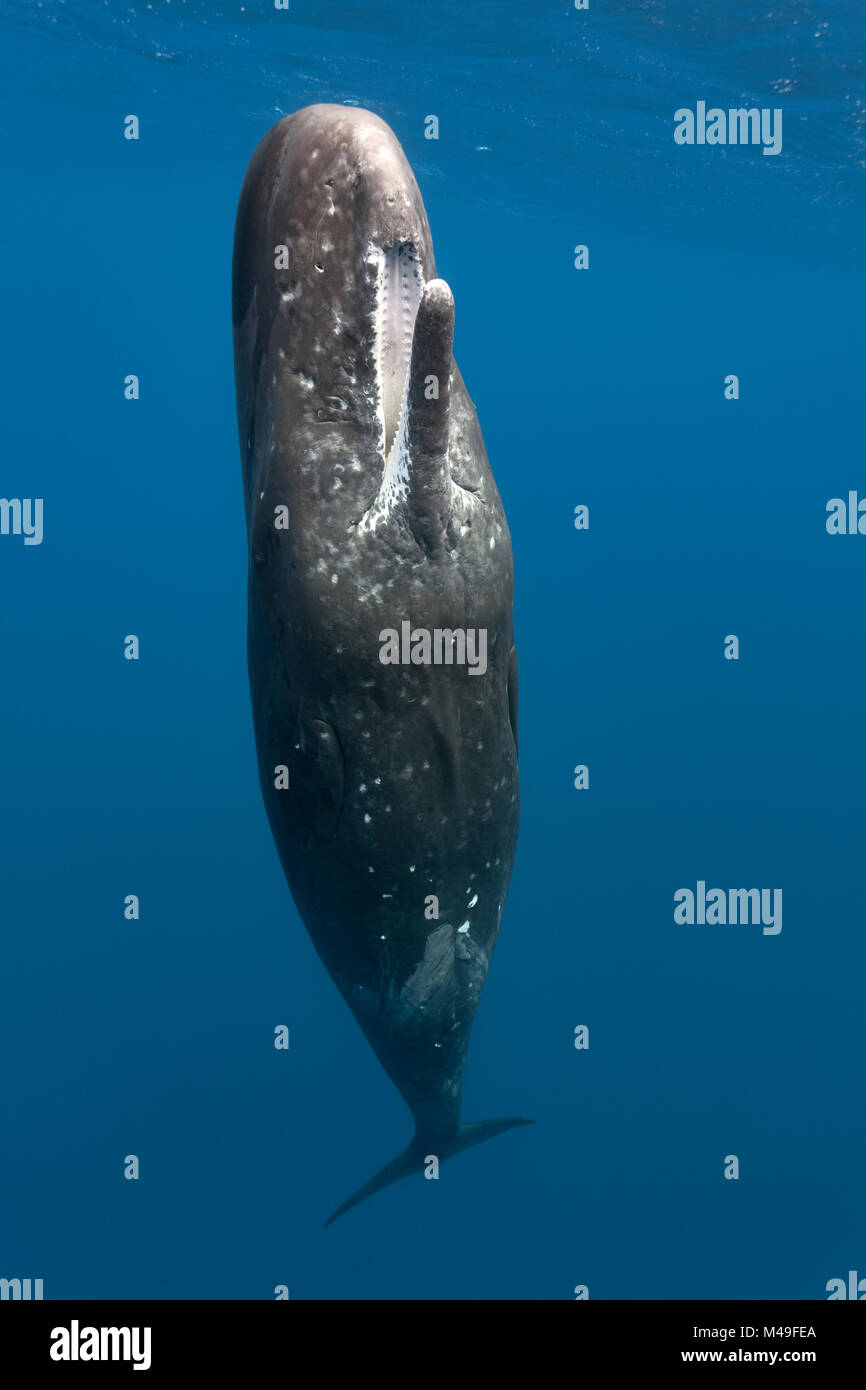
[479, 1130]
[413, 1159]
[401, 1167]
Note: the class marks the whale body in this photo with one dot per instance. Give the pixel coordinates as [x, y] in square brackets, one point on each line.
[381, 656]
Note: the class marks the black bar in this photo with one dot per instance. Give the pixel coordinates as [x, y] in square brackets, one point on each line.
[225, 1338]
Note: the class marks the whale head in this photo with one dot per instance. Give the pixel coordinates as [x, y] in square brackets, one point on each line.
[333, 266]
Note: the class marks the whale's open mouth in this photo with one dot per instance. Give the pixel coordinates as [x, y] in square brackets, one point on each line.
[399, 291]
[401, 286]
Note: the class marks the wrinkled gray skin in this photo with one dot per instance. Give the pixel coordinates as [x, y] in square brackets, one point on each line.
[403, 780]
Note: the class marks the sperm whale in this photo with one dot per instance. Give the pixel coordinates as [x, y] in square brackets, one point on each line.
[379, 563]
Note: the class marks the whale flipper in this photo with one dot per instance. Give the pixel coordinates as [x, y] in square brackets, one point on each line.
[412, 1160]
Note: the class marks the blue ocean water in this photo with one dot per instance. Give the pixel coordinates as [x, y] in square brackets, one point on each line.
[602, 387]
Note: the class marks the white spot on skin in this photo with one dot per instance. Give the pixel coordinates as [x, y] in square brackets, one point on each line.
[367, 820]
[464, 929]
